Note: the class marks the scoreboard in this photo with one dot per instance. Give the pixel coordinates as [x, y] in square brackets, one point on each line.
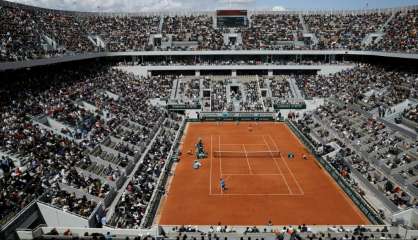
[232, 18]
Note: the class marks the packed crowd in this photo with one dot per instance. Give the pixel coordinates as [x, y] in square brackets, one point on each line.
[280, 87]
[400, 34]
[198, 29]
[225, 232]
[67, 32]
[19, 37]
[369, 86]
[330, 126]
[299, 232]
[242, 93]
[131, 208]
[98, 104]
[268, 31]
[252, 101]
[30, 33]
[189, 91]
[193, 89]
[50, 157]
[184, 61]
[218, 98]
[372, 141]
[344, 31]
[122, 33]
[411, 113]
[68, 202]
[36, 156]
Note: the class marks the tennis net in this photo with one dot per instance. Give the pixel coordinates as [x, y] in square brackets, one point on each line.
[244, 154]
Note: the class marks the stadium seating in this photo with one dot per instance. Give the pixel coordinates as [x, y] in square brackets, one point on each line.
[411, 113]
[344, 31]
[86, 123]
[81, 116]
[32, 33]
[371, 141]
[19, 35]
[67, 32]
[239, 233]
[401, 33]
[94, 141]
[193, 29]
[267, 31]
[121, 34]
[365, 84]
[131, 208]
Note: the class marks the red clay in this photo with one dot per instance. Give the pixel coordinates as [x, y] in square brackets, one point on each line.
[260, 189]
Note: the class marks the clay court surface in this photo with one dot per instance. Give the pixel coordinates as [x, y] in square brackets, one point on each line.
[259, 188]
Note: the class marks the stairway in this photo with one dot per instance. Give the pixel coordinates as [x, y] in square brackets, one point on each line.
[379, 34]
[382, 28]
[302, 21]
[236, 106]
[160, 26]
[294, 88]
[174, 89]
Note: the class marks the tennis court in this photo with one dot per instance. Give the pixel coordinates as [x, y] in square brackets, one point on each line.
[262, 182]
[250, 158]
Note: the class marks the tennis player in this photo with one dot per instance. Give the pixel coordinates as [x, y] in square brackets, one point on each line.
[222, 183]
[250, 127]
[196, 164]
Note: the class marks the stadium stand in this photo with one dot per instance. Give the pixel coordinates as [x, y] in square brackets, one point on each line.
[95, 142]
[54, 154]
[120, 33]
[367, 85]
[33, 33]
[65, 30]
[411, 113]
[231, 232]
[359, 148]
[344, 31]
[401, 33]
[198, 29]
[268, 30]
[20, 39]
[131, 208]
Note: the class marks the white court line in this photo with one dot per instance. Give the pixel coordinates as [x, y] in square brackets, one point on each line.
[285, 163]
[248, 161]
[210, 173]
[220, 159]
[248, 144]
[278, 167]
[294, 135]
[254, 174]
[220, 154]
[256, 194]
[241, 135]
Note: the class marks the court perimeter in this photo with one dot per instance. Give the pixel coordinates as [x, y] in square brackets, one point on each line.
[259, 188]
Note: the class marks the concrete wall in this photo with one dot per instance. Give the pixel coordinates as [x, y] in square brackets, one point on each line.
[55, 217]
[323, 69]
[85, 56]
[408, 217]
